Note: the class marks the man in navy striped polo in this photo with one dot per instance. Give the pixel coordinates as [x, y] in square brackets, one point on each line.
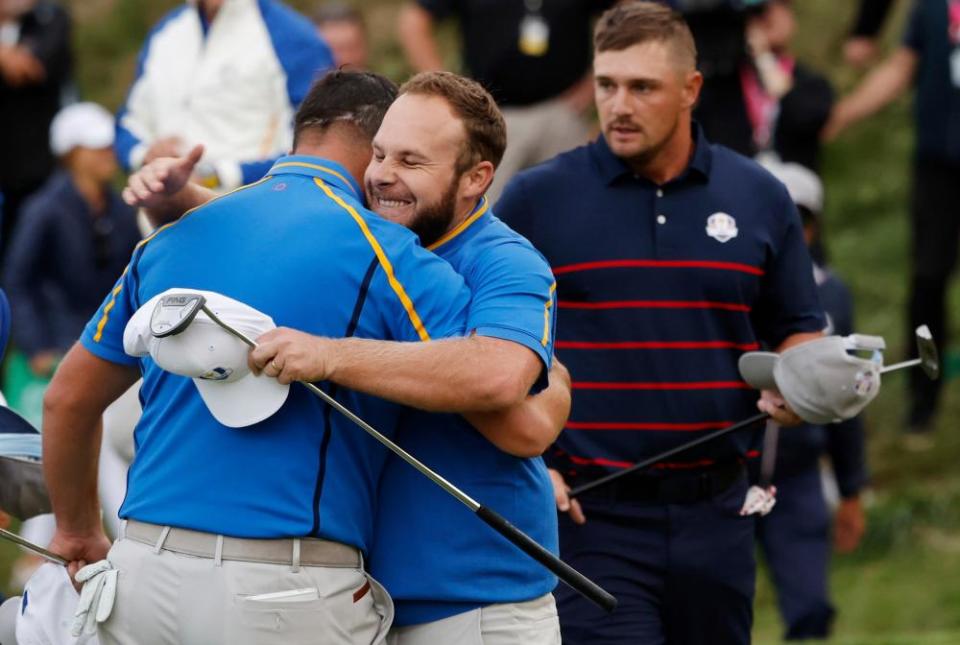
[672, 257]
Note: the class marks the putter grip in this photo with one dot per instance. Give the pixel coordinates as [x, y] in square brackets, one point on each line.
[577, 581]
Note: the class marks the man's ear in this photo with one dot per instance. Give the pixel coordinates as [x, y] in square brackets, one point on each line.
[691, 89]
[475, 181]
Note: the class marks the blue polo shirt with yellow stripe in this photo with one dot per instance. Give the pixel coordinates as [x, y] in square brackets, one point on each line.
[434, 557]
[660, 289]
[300, 247]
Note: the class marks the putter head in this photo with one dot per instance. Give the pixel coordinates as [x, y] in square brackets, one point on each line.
[927, 350]
[174, 313]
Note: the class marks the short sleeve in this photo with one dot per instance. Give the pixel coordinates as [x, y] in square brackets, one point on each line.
[423, 297]
[514, 299]
[103, 335]
[788, 302]
[913, 34]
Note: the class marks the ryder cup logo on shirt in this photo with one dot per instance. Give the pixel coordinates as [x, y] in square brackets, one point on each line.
[721, 227]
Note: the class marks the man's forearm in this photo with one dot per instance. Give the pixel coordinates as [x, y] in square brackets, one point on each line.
[529, 428]
[453, 375]
[883, 85]
[72, 407]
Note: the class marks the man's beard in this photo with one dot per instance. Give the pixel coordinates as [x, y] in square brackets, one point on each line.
[433, 220]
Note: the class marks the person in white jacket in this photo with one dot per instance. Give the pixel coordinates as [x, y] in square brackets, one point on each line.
[228, 74]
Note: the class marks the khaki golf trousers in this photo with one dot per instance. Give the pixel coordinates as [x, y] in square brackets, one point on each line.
[170, 598]
[533, 622]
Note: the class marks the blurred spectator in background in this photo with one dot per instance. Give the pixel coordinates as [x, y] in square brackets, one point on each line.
[532, 55]
[343, 29]
[787, 103]
[795, 536]
[73, 240]
[861, 46]
[34, 68]
[929, 56]
[225, 73]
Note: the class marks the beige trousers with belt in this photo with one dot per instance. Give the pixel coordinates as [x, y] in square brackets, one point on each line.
[166, 597]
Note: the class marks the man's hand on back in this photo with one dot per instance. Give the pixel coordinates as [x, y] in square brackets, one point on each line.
[290, 355]
[564, 503]
[154, 184]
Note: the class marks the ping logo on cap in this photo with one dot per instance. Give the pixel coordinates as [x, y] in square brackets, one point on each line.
[722, 227]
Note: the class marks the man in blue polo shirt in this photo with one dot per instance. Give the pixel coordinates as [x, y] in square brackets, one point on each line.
[672, 257]
[454, 580]
[255, 533]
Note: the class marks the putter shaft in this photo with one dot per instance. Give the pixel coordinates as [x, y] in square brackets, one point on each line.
[35, 548]
[494, 520]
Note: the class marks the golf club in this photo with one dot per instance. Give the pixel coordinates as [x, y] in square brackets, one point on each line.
[928, 361]
[35, 548]
[175, 312]
[646, 463]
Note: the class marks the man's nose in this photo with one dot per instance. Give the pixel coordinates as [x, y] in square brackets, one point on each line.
[620, 105]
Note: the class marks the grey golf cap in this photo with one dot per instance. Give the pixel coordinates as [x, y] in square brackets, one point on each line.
[820, 380]
[23, 493]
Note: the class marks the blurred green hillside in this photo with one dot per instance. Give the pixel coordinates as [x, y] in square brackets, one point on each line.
[903, 585]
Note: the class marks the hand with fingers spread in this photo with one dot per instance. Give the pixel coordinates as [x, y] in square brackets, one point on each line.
[153, 185]
[564, 503]
[290, 355]
[773, 404]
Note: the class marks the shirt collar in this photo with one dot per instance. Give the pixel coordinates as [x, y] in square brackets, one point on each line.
[613, 167]
[329, 171]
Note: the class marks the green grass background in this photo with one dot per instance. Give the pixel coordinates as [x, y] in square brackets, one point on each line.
[903, 585]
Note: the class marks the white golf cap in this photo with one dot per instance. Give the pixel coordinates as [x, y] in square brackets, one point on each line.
[803, 184]
[213, 357]
[85, 125]
[47, 608]
[820, 380]
[9, 611]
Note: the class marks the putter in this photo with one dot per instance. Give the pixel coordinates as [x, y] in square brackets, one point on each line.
[929, 359]
[168, 321]
[35, 548]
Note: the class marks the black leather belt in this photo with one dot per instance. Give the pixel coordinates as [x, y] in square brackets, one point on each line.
[684, 487]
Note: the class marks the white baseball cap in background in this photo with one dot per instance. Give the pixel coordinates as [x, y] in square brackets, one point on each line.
[81, 125]
[803, 184]
[820, 380]
[214, 358]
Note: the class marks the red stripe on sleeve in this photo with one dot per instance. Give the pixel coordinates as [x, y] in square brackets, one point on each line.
[657, 264]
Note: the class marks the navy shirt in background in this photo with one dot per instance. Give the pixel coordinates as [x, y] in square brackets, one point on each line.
[62, 261]
[937, 103]
[660, 289]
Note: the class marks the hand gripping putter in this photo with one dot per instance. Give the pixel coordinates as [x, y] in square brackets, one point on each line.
[928, 361]
[174, 313]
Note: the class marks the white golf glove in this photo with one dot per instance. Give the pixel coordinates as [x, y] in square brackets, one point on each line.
[96, 598]
[759, 501]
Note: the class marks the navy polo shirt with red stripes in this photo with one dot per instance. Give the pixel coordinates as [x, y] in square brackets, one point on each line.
[660, 290]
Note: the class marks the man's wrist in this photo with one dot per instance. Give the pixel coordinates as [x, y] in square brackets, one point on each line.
[328, 350]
